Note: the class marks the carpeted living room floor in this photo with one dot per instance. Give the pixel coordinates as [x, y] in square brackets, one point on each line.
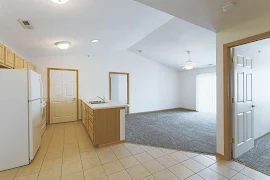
[175, 129]
[258, 157]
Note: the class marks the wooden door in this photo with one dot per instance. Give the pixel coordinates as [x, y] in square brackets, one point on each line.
[2, 54]
[63, 96]
[242, 102]
[10, 58]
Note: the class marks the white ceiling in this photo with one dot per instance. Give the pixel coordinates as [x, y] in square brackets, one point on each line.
[208, 13]
[168, 45]
[117, 23]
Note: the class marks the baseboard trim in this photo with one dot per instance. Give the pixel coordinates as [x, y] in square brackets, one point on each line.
[222, 157]
[162, 110]
[113, 143]
[262, 136]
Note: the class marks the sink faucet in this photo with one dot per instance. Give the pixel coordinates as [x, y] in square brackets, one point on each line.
[102, 98]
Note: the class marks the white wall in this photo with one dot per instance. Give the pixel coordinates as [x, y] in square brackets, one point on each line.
[152, 85]
[114, 87]
[247, 29]
[187, 80]
[261, 89]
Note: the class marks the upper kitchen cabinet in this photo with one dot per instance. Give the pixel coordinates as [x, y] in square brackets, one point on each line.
[19, 62]
[10, 58]
[2, 54]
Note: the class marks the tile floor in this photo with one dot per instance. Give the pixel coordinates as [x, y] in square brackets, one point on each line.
[66, 153]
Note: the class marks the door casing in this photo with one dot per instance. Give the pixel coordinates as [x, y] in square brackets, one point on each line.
[226, 89]
[49, 89]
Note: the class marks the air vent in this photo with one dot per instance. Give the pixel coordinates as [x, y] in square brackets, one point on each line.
[25, 24]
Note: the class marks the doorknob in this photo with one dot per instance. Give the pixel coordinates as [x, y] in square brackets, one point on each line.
[253, 105]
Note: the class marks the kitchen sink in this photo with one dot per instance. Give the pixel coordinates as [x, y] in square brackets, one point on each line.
[96, 102]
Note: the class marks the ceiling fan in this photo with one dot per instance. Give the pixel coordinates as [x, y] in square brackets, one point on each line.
[189, 64]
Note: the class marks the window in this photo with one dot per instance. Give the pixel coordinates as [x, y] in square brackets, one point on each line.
[206, 92]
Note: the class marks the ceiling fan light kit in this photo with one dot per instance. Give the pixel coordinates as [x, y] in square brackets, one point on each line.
[189, 64]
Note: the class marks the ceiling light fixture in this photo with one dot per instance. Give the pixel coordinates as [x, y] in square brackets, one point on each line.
[189, 65]
[60, 1]
[228, 6]
[63, 44]
[95, 41]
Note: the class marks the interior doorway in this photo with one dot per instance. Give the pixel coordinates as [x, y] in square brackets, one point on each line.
[62, 95]
[246, 105]
[119, 88]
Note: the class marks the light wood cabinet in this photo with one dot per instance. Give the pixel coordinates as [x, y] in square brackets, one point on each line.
[10, 58]
[18, 62]
[102, 125]
[2, 54]
[25, 64]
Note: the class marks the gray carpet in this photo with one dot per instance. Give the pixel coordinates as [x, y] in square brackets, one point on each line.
[176, 129]
[258, 157]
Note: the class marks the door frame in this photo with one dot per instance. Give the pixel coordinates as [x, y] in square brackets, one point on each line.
[49, 90]
[226, 89]
[110, 87]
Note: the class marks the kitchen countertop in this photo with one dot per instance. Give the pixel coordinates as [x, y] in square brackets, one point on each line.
[107, 105]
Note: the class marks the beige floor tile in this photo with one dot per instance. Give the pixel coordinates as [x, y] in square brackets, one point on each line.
[193, 165]
[30, 169]
[138, 172]
[122, 175]
[178, 156]
[71, 168]
[90, 162]
[165, 175]
[223, 170]
[108, 157]
[153, 166]
[71, 152]
[50, 174]
[122, 153]
[136, 150]
[117, 146]
[129, 145]
[143, 157]
[75, 176]
[156, 153]
[8, 174]
[254, 174]
[129, 162]
[148, 148]
[28, 177]
[194, 177]
[167, 161]
[48, 164]
[167, 151]
[94, 173]
[181, 171]
[113, 167]
[209, 174]
[212, 157]
[89, 154]
[240, 176]
[149, 178]
[71, 159]
[190, 154]
[53, 155]
[204, 160]
[104, 151]
[232, 164]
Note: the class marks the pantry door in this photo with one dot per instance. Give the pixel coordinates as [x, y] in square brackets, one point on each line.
[63, 95]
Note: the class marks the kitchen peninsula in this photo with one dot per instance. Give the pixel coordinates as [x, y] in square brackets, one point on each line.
[104, 121]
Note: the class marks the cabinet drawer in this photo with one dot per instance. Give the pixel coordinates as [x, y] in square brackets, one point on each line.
[91, 134]
[91, 118]
[91, 126]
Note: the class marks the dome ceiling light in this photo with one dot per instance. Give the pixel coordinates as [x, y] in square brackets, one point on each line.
[60, 1]
[63, 44]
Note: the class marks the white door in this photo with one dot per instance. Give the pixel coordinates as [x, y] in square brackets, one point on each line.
[242, 107]
[63, 96]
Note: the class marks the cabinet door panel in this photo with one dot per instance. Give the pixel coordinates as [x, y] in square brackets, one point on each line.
[10, 58]
[25, 64]
[2, 54]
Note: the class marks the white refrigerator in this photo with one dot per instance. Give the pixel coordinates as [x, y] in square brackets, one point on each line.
[21, 104]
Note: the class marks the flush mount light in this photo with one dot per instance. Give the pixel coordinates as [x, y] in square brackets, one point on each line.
[63, 44]
[139, 50]
[60, 1]
[228, 6]
[95, 41]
